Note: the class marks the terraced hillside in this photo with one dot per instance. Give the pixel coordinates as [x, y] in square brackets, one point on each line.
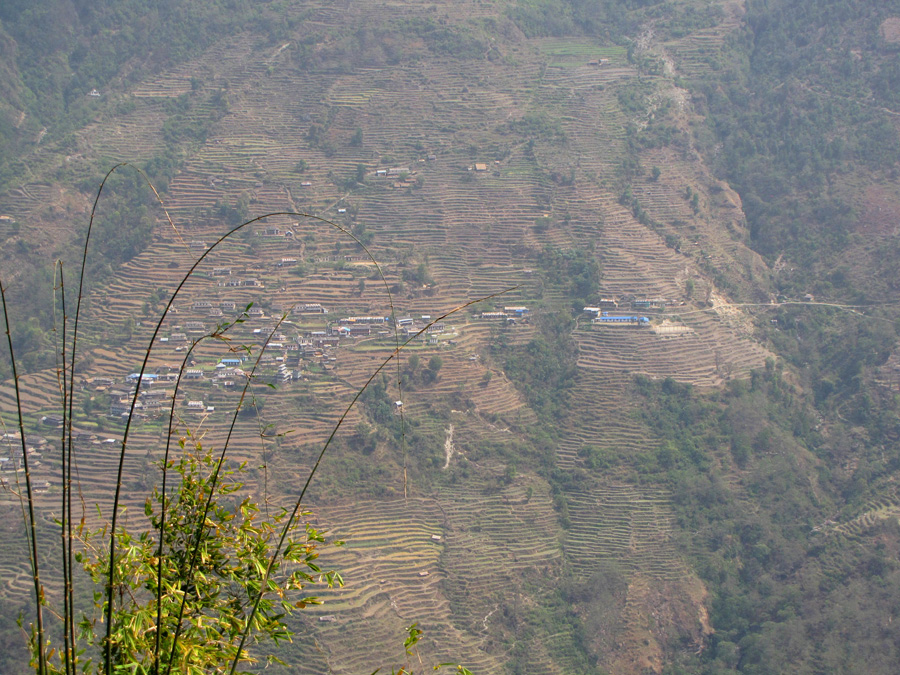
[461, 172]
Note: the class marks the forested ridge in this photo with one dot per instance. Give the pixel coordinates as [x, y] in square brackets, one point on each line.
[709, 491]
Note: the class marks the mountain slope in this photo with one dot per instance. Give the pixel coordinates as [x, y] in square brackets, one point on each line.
[559, 495]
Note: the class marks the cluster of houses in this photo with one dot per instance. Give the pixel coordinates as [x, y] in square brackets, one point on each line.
[156, 390]
[241, 283]
[283, 359]
[272, 231]
[11, 466]
[601, 313]
[401, 176]
[607, 304]
[607, 319]
[481, 166]
[508, 314]
[396, 171]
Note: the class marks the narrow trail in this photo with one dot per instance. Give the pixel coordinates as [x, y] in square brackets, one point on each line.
[485, 619]
[853, 309]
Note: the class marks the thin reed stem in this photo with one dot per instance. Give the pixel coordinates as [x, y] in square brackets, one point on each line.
[35, 569]
[162, 516]
[87, 240]
[66, 483]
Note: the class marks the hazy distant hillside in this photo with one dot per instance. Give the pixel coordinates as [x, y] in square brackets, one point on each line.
[671, 447]
[55, 52]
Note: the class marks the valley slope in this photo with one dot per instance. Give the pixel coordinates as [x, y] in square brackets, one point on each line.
[559, 494]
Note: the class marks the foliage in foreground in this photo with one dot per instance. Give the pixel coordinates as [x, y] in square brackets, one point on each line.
[203, 606]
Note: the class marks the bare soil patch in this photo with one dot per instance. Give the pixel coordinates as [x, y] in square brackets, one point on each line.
[890, 30]
[880, 212]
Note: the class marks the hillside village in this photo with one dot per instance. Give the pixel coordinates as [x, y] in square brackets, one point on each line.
[302, 342]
